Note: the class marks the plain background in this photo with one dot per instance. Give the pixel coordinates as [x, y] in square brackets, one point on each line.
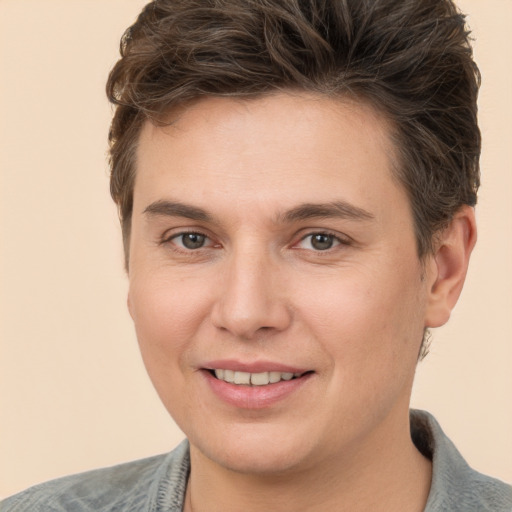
[74, 393]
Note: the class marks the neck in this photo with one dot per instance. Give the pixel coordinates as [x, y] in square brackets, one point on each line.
[385, 473]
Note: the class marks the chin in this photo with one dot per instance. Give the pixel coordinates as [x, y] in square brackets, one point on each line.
[255, 453]
[257, 462]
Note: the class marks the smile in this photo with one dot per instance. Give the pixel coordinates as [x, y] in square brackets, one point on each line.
[253, 379]
[255, 385]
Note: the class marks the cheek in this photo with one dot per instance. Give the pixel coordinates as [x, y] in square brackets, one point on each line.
[166, 313]
[371, 318]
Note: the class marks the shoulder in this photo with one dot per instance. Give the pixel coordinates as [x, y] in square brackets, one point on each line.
[154, 484]
[455, 485]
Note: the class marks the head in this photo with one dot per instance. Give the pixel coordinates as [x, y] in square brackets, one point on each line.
[239, 127]
[410, 60]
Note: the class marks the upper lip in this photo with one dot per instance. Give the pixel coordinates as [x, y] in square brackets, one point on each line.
[253, 367]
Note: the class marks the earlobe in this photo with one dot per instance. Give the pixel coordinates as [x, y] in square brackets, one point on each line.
[448, 266]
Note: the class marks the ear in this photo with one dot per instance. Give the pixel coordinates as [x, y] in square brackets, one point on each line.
[446, 269]
[129, 304]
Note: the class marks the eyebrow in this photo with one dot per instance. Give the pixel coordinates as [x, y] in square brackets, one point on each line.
[334, 209]
[305, 211]
[177, 209]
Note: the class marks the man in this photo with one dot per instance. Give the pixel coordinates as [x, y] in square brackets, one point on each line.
[296, 184]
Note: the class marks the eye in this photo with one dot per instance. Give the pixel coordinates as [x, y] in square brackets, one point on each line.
[190, 241]
[319, 241]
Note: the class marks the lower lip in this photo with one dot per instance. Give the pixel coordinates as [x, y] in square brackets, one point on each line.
[254, 397]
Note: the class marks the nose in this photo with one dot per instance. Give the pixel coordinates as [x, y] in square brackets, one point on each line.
[251, 299]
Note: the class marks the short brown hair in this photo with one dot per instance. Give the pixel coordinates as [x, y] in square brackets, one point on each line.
[411, 59]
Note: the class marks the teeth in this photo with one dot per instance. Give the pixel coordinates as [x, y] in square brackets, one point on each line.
[254, 379]
[242, 378]
[229, 376]
[274, 377]
[260, 379]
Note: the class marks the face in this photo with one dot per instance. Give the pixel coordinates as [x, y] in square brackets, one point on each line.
[274, 280]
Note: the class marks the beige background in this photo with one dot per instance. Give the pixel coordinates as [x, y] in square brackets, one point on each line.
[74, 394]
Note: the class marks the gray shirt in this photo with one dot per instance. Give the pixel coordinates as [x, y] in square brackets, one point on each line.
[158, 484]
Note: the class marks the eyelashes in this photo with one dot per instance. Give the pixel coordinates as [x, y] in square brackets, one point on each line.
[187, 242]
[195, 241]
[190, 240]
[320, 241]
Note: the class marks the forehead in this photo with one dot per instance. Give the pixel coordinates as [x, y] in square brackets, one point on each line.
[282, 148]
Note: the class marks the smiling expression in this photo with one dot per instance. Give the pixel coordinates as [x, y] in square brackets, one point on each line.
[275, 284]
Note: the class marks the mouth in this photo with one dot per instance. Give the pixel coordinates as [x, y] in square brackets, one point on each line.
[242, 378]
[257, 384]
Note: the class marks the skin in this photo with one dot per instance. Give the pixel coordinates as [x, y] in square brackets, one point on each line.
[259, 290]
